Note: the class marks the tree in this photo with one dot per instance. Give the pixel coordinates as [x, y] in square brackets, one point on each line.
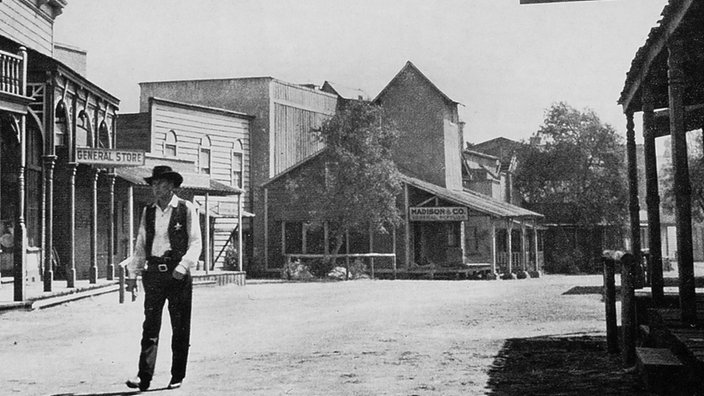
[695, 157]
[360, 182]
[577, 176]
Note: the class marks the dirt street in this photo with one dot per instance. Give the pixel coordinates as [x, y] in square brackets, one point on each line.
[349, 338]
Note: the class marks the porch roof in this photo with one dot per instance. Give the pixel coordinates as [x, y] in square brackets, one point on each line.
[475, 201]
[191, 181]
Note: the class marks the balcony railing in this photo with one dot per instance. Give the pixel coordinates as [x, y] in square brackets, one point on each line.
[11, 73]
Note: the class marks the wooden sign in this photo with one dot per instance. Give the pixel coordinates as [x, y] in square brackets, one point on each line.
[438, 213]
[109, 157]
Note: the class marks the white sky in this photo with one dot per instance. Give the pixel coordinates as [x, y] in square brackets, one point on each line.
[505, 62]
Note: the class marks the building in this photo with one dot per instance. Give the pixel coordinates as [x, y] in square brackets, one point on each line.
[284, 114]
[447, 229]
[204, 141]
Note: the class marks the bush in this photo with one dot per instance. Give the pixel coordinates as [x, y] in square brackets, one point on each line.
[320, 268]
[566, 261]
[231, 260]
[357, 269]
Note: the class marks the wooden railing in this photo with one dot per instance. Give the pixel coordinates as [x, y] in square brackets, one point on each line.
[11, 73]
[370, 256]
[502, 261]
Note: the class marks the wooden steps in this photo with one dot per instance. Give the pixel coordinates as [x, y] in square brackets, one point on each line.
[662, 372]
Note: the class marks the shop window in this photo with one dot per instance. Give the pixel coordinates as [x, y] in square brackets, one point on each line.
[237, 164]
[472, 239]
[204, 156]
[293, 237]
[315, 238]
[171, 145]
[453, 234]
[83, 135]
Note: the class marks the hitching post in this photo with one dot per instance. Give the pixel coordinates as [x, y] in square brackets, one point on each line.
[609, 258]
[628, 309]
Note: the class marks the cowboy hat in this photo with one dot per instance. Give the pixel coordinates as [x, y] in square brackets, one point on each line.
[164, 172]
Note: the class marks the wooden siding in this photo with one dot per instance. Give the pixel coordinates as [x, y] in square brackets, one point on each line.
[296, 112]
[190, 126]
[453, 155]
[133, 131]
[27, 26]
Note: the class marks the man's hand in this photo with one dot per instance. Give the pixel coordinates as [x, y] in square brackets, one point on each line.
[131, 285]
[177, 275]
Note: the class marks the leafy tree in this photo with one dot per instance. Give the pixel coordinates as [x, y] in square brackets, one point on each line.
[577, 176]
[360, 182]
[695, 156]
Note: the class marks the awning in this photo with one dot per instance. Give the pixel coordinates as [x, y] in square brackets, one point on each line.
[473, 200]
[198, 184]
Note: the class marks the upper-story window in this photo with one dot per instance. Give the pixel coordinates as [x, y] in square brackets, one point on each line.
[171, 144]
[204, 156]
[237, 164]
[104, 136]
[84, 137]
[61, 120]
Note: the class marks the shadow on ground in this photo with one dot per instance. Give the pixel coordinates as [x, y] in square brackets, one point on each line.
[561, 365]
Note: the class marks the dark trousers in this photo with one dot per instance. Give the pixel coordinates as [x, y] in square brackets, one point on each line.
[159, 287]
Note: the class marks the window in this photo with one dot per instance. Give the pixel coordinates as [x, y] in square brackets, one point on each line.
[204, 156]
[171, 145]
[104, 136]
[61, 121]
[293, 237]
[237, 164]
[83, 135]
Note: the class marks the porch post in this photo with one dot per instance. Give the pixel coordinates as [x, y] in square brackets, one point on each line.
[110, 273]
[130, 220]
[49, 162]
[652, 196]
[633, 206]
[71, 267]
[206, 247]
[535, 246]
[266, 229]
[493, 274]
[93, 277]
[407, 224]
[20, 230]
[239, 232]
[524, 247]
[509, 242]
[683, 190]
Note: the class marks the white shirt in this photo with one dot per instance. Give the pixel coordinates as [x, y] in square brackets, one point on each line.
[135, 263]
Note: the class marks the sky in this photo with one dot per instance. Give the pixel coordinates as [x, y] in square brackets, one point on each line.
[504, 62]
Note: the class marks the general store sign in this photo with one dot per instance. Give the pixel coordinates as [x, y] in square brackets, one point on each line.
[109, 157]
[438, 213]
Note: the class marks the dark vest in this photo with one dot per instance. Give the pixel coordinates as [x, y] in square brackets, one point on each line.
[178, 230]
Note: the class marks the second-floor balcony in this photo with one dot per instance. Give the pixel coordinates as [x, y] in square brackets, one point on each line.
[12, 84]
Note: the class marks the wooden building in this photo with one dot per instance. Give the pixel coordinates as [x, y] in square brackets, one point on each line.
[664, 83]
[447, 229]
[284, 114]
[205, 141]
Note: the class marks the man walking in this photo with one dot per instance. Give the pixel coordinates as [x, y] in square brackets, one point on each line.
[169, 243]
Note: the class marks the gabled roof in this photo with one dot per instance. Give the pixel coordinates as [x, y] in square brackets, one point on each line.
[343, 91]
[411, 68]
[473, 200]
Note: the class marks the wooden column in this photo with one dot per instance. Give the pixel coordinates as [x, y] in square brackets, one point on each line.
[683, 190]
[633, 206]
[535, 246]
[509, 242]
[20, 229]
[652, 196]
[110, 273]
[407, 224]
[93, 277]
[266, 229]
[493, 248]
[206, 245]
[524, 249]
[49, 162]
[71, 265]
[239, 232]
